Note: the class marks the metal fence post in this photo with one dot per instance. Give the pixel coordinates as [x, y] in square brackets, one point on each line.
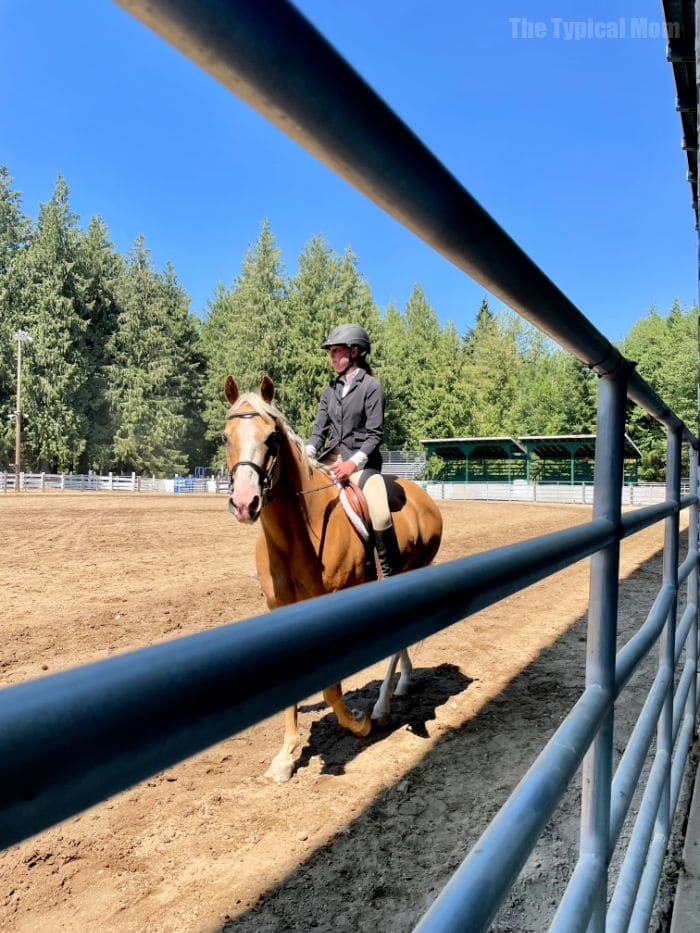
[667, 644]
[671, 552]
[644, 904]
[602, 632]
[693, 595]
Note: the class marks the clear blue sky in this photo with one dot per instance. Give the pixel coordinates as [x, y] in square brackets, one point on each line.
[572, 145]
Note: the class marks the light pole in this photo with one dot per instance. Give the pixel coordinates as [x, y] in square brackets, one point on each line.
[20, 336]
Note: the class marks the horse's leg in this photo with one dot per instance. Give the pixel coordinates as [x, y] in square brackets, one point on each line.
[282, 765]
[357, 722]
[404, 683]
[380, 713]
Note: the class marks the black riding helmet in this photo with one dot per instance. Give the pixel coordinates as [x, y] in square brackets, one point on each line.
[348, 335]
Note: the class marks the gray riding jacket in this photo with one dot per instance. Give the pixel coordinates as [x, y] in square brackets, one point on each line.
[353, 423]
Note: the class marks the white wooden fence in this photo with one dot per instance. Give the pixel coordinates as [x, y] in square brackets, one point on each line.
[522, 491]
[85, 482]
[519, 491]
[113, 483]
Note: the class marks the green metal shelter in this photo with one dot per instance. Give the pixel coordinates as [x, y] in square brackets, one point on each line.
[562, 458]
[571, 458]
[476, 459]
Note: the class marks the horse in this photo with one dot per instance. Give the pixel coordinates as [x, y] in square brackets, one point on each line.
[307, 545]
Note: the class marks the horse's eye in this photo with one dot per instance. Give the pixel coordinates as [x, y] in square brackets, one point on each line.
[224, 438]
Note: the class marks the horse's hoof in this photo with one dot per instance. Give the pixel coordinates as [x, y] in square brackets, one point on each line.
[380, 718]
[280, 773]
[363, 724]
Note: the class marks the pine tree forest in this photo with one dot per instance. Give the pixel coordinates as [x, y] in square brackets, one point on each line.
[121, 375]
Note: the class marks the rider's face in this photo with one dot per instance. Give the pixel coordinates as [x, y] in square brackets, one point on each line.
[341, 356]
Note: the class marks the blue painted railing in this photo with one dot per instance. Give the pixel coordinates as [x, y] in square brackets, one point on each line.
[69, 740]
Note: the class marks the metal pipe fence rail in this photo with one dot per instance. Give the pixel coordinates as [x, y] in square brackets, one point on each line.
[74, 738]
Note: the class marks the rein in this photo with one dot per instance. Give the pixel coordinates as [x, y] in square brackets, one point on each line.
[305, 492]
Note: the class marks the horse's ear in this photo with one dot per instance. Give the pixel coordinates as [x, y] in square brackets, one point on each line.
[230, 389]
[267, 389]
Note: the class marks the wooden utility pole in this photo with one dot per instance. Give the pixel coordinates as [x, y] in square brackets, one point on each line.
[20, 336]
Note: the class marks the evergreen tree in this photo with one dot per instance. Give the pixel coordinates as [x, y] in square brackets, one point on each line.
[154, 373]
[188, 369]
[420, 354]
[483, 320]
[56, 369]
[537, 388]
[558, 394]
[454, 412]
[214, 343]
[327, 290]
[115, 376]
[245, 333]
[494, 371]
[579, 398]
[315, 307]
[665, 349]
[15, 230]
[15, 227]
[98, 267]
[389, 354]
[355, 303]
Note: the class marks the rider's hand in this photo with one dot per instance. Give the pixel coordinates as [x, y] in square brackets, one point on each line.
[344, 470]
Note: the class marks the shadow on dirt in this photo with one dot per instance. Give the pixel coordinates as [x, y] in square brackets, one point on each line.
[430, 688]
[383, 869]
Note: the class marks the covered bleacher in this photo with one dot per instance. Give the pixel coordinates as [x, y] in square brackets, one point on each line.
[475, 459]
[544, 458]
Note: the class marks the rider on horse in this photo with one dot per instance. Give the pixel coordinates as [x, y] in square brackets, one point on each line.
[349, 428]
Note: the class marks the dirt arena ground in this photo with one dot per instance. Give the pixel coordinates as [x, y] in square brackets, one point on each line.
[368, 831]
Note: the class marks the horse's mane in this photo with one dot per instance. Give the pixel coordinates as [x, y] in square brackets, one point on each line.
[271, 411]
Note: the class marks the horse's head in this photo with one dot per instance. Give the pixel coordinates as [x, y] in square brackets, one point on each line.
[252, 438]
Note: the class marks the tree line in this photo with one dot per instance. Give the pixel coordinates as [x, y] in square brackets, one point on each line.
[121, 375]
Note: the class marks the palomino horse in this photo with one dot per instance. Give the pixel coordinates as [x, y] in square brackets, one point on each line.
[307, 545]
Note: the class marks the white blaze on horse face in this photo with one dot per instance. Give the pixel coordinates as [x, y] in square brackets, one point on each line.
[247, 444]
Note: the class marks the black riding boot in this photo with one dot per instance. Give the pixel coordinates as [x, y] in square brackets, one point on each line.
[387, 551]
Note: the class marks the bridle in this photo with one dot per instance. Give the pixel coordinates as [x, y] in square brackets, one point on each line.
[272, 442]
[266, 476]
